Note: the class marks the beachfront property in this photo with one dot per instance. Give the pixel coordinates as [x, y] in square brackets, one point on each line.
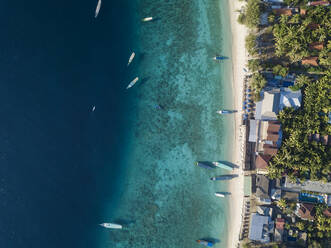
[261, 228]
[276, 84]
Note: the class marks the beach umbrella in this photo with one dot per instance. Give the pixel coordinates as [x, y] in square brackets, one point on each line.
[244, 107]
[249, 95]
[248, 110]
[248, 90]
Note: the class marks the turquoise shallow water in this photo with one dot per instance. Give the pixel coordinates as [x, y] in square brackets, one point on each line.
[167, 201]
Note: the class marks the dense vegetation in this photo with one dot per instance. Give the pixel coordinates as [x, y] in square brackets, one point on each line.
[250, 16]
[293, 34]
[300, 156]
[279, 49]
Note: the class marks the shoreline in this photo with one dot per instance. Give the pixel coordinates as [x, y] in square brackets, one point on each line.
[239, 60]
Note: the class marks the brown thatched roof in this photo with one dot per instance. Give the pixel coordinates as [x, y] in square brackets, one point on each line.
[310, 61]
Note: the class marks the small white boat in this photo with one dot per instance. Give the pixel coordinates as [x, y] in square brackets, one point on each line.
[147, 19]
[97, 9]
[131, 58]
[133, 82]
[111, 226]
[219, 194]
[93, 108]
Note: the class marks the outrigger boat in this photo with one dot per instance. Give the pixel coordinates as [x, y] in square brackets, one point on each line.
[219, 194]
[147, 19]
[97, 9]
[219, 58]
[131, 58]
[222, 166]
[223, 177]
[133, 82]
[222, 112]
[205, 242]
[111, 226]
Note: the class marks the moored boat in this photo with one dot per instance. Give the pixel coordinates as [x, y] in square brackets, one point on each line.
[205, 242]
[133, 82]
[93, 108]
[205, 165]
[222, 112]
[223, 177]
[147, 19]
[222, 166]
[219, 58]
[97, 9]
[219, 194]
[111, 226]
[131, 58]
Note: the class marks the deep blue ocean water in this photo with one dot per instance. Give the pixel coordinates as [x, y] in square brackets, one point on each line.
[64, 169]
[59, 162]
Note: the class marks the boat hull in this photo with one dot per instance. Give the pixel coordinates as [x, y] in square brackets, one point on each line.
[223, 166]
[205, 242]
[204, 165]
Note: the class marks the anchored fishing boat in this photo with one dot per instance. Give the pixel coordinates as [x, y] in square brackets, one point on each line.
[111, 226]
[222, 112]
[217, 58]
[205, 242]
[133, 82]
[97, 9]
[131, 58]
[222, 165]
[147, 19]
[223, 177]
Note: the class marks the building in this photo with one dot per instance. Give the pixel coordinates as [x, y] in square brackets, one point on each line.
[316, 45]
[290, 99]
[318, 3]
[261, 163]
[261, 227]
[310, 61]
[279, 229]
[252, 131]
[313, 186]
[303, 12]
[270, 150]
[305, 211]
[283, 11]
[273, 127]
[262, 185]
[268, 108]
[290, 196]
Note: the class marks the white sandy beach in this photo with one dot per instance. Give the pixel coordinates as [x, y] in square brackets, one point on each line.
[239, 60]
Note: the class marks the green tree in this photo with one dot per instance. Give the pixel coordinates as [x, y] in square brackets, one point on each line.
[280, 70]
[251, 44]
[254, 65]
[253, 13]
[282, 203]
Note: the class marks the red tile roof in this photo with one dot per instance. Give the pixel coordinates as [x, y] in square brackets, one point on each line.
[280, 223]
[316, 45]
[287, 12]
[273, 137]
[306, 211]
[316, 3]
[270, 150]
[327, 212]
[310, 61]
[273, 128]
[261, 161]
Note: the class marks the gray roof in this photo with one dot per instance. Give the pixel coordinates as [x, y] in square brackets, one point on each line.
[268, 107]
[289, 98]
[252, 131]
[262, 188]
[259, 228]
[315, 186]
